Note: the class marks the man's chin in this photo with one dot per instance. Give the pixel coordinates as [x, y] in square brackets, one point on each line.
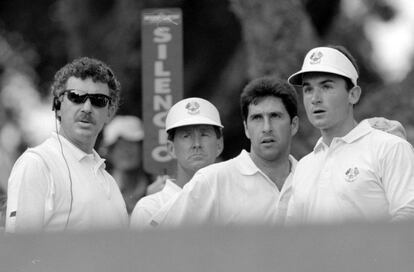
[199, 164]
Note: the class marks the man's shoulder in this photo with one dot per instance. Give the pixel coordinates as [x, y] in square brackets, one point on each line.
[306, 159]
[220, 167]
[149, 200]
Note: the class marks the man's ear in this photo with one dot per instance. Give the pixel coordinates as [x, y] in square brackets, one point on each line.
[246, 132]
[354, 95]
[220, 146]
[171, 149]
[110, 114]
[294, 126]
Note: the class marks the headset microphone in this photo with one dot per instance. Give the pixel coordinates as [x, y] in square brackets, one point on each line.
[56, 104]
[55, 108]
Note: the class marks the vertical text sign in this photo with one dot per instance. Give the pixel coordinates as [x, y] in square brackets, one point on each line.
[162, 81]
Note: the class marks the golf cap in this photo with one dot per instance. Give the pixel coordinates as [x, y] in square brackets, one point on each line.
[127, 127]
[192, 111]
[325, 60]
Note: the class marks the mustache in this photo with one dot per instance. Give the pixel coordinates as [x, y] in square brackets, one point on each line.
[85, 117]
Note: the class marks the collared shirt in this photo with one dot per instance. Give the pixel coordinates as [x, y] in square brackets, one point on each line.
[366, 175]
[55, 183]
[150, 205]
[231, 192]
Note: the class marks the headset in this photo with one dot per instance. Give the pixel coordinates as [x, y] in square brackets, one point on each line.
[55, 107]
[56, 104]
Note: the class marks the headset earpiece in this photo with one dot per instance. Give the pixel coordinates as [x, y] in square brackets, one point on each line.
[56, 104]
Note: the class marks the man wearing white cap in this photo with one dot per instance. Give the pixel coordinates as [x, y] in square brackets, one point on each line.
[195, 140]
[254, 187]
[355, 172]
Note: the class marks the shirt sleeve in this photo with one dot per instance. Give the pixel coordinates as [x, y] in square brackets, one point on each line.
[194, 205]
[27, 192]
[398, 180]
[140, 216]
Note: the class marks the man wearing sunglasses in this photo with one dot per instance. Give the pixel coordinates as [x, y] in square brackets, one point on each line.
[62, 184]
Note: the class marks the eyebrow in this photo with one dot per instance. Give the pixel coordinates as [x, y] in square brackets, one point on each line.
[322, 82]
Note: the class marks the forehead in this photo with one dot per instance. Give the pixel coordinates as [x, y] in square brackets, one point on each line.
[194, 127]
[319, 77]
[87, 85]
[266, 104]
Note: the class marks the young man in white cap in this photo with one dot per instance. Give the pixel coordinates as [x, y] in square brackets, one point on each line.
[355, 172]
[195, 140]
[254, 187]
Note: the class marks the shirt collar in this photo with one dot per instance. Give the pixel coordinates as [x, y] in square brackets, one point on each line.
[362, 129]
[248, 168]
[170, 187]
[77, 153]
[246, 165]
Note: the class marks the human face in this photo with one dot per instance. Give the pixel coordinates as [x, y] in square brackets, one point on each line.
[328, 103]
[125, 154]
[81, 123]
[270, 129]
[195, 147]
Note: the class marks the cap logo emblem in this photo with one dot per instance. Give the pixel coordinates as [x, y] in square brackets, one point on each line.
[351, 174]
[316, 57]
[193, 108]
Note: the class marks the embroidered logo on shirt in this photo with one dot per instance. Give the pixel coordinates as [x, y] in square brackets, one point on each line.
[351, 174]
[316, 57]
[193, 108]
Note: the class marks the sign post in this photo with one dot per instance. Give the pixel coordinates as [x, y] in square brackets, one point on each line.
[162, 82]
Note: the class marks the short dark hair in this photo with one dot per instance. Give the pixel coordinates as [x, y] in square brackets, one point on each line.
[269, 86]
[217, 130]
[83, 68]
[351, 58]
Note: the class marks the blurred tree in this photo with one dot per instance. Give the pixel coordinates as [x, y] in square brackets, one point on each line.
[226, 43]
[32, 31]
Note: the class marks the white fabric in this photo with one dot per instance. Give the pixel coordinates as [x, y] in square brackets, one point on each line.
[326, 60]
[39, 191]
[148, 206]
[192, 111]
[366, 175]
[227, 193]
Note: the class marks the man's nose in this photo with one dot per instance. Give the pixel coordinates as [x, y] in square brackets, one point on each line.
[316, 96]
[266, 124]
[197, 140]
[87, 106]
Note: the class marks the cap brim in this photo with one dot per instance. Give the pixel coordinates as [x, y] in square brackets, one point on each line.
[195, 121]
[296, 78]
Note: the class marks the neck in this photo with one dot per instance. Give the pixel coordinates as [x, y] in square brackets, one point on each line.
[87, 148]
[338, 131]
[183, 176]
[277, 170]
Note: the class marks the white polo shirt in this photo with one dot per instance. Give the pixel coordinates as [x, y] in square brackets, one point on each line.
[231, 192]
[150, 205]
[39, 192]
[366, 175]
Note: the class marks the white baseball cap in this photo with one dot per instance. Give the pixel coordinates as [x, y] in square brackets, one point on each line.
[327, 60]
[127, 127]
[192, 111]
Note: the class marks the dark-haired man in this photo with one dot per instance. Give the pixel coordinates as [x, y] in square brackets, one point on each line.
[62, 184]
[254, 187]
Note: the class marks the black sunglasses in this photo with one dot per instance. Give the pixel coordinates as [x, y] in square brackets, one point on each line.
[97, 100]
